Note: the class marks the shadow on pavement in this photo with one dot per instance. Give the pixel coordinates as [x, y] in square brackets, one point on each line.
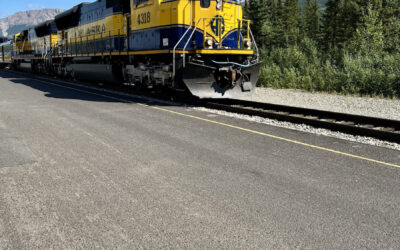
[62, 90]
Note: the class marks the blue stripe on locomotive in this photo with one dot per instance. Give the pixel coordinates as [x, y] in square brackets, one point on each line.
[99, 46]
[153, 39]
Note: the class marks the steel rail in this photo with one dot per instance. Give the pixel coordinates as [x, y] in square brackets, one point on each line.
[379, 128]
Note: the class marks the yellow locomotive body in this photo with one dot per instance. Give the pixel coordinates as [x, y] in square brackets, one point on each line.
[100, 30]
[23, 46]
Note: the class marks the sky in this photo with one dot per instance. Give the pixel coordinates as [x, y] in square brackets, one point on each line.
[22, 5]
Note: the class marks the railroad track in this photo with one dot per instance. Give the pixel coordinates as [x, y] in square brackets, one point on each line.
[384, 129]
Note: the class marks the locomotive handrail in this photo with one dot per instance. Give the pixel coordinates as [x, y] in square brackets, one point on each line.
[187, 43]
[180, 40]
[23, 46]
[205, 32]
[249, 36]
[174, 51]
[65, 45]
[255, 44]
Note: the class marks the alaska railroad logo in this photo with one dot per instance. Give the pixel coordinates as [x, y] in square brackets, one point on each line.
[215, 24]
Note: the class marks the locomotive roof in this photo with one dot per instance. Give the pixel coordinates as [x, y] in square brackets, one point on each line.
[46, 28]
[73, 10]
[69, 18]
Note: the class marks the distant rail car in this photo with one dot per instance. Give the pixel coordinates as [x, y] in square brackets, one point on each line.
[205, 47]
[6, 54]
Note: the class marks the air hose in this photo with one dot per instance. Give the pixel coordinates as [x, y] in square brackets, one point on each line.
[231, 63]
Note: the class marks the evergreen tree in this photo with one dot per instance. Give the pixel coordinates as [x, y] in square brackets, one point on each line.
[269, 26]
[368, 39]
[292, 22]
[373, 4]
[340, 22]
[257, 12]
[391, 21]
[312, 20]
[275, 26]
[330, 23]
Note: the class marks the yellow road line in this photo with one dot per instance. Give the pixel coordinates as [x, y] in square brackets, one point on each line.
[276, 137]
[236, 127]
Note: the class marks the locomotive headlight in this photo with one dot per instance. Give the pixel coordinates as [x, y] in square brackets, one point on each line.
[247, 44]
[219, 4]
[209, 43]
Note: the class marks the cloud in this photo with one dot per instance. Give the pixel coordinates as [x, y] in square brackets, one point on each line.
[33, 6]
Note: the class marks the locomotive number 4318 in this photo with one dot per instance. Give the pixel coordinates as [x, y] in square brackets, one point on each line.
[143, 18]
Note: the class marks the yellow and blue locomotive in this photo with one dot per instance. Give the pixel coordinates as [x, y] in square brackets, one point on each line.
[204, 46]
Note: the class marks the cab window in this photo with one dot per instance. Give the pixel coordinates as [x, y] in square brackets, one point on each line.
[205, 3]
[124, 4]
[137, 2]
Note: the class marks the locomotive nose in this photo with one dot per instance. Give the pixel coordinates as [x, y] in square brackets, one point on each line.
[205, 81]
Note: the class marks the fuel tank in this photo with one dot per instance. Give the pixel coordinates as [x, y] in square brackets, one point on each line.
[104, 73]
[25, 66]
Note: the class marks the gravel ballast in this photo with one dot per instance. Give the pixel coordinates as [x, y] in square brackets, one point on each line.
[305, 128]
[367, 106]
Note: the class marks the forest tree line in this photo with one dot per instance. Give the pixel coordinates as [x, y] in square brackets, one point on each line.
[350, 47]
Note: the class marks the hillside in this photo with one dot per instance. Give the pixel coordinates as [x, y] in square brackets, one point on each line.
[21, 20]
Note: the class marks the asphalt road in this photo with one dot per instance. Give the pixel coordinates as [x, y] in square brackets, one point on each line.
[81, 170]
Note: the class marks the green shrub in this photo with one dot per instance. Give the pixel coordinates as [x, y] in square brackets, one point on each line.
[303, 67]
